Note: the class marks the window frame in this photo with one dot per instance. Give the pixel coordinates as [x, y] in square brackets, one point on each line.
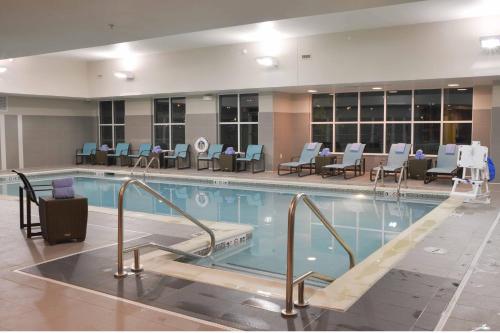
[238, 121]
[170, 124]
[112, 124]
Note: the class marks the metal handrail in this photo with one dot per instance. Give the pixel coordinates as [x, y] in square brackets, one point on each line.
[380, 170]
[153, 158]
[120, 272]
[403, 173]
[290, 282]
[141, 158]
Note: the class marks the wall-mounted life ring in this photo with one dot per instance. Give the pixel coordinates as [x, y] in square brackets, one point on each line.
[201, 199]
[201, 145]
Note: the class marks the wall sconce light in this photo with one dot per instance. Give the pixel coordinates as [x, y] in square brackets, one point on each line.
[490, 42]
[126, 75]
[267, 61]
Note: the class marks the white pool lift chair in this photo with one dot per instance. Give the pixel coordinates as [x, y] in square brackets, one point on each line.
[473, 157]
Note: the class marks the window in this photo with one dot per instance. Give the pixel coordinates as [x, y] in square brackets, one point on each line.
[427, 105]
[399, 105]
[111, 122]
[427, 137]
[322, 119]
[373, 136]
[346, 107]
[169, 122]
[372, 106]
[457, 127]
[239, 120]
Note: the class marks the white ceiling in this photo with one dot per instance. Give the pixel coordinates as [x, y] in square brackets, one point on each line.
[32, 27]
[366, 18]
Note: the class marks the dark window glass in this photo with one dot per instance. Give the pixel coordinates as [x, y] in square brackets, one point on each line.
[249, 108]
[229, 135]
[162, 108]
[427, 105]
[344, 134]
[322, 107]
[373, 136]
[228, 111]
[178, 135]
[397, 133]
[399, 105]
[162, 136]
[119, 111]
[106, 112]
[178, 110]
[346, 107]
[457, 133]
[249, 134]
[107, 135]
[119, 134]
[458, 104]
[372, 106]
[323, 133]
[426, 137]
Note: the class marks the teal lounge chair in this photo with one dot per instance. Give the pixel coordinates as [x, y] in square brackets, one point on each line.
[121, 152]
[446, 164]
[396, 161]
[86, 153]
[214, 152]
[144, 150]
[306, 159]
[181, 152]
[352, 160]
[254, 154]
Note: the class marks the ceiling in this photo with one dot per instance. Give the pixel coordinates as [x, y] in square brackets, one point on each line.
[366, 18]
[32, 27]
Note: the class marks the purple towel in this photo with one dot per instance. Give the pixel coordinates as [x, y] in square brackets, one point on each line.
[63, 193]
[325, 152]
[229, 151]
[450, 149]
[157, 149]
[64, 182]
[104, 148]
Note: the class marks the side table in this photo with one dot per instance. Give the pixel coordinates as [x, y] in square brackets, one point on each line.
[321, 161]
[227, 162]
[418, 168]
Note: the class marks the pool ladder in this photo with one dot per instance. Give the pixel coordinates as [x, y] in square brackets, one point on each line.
[120, 273]
[402, 174]
[148, 165]
[289, 310]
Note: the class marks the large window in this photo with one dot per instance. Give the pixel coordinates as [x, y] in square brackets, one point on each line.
[169, 122]
[111, 122]
[425, 118]
[239, 120]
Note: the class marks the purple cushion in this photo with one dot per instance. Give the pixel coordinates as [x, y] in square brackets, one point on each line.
[63, 182]
[63, 193]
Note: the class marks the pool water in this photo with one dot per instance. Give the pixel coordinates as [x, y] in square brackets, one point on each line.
[364, 222]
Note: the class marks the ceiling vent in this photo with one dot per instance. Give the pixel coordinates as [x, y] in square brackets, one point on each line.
[3, 103]
[306, 57]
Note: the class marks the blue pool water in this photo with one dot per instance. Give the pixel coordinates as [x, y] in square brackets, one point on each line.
[365, 223]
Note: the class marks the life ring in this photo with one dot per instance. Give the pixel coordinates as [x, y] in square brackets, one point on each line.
[201, 199]
[201, 145]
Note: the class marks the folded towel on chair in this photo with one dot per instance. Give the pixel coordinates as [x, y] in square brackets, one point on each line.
[400, 148]
[450, 149]
[63, 182]
[104, 148]
[355, 147]
[229, 151]
[311, 146]
[63, 193]
[156, 150]
[325, 152]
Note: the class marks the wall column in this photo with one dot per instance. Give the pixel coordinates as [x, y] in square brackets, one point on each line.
[201, 121]
[138, 122]
[495, 124]
[266, 127]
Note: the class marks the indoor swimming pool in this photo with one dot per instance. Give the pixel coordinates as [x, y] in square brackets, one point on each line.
[364, 222]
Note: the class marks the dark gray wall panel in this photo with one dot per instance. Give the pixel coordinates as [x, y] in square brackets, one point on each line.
[495, 134]
[266, 136]
[11, 142]
[138, 130]
[198, 125]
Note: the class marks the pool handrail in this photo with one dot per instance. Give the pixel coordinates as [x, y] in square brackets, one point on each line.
[139, 160]
[120, 273]
[289, 311]
[153, 158]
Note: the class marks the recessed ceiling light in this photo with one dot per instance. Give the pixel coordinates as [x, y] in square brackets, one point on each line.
[490, 43]
[377, 88]
[312, 91]
[393, 91]
[462, 89]
[126, 75]
[267, 61]
[453, 85]
[311, 258]
[11, 60]
[3, 69]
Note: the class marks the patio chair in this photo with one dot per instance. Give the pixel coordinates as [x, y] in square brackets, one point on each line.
[214, 152]
[181, 152]
[352, 160]
[306, 159]
[144, 151]
[445, 164]
[86, 153]
[254, 154]
[121, 151]
[396, 161]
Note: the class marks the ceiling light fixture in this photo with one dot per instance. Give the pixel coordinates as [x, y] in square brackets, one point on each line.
[490, 42]
[312, 91]
[267, 61]
[462, 89]
[453, 85]
[3, 69]
[377, 88]
[126, 75]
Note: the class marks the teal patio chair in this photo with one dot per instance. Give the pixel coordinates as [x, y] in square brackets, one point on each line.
[86, 153]
[121, 152]
[254, 154]
[306, 159]
[445, 164]
[396, 161]
[144, 151]
[181, 153]
[213, 154]
[352, 160]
